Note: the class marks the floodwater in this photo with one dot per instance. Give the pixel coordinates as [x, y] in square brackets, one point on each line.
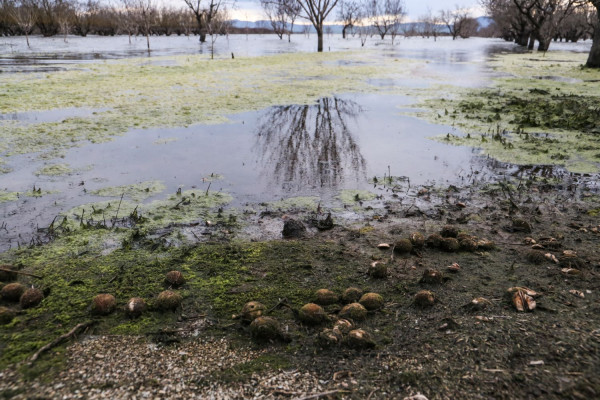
[340, 142]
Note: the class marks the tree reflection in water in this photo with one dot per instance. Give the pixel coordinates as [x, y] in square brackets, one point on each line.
[310, 146]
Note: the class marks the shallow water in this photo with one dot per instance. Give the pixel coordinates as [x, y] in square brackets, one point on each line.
[283, 151]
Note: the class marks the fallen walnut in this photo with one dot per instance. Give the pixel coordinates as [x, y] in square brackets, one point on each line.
[266, 328]
[31, 298]
[354, 311]
[312, 314]
[432, 276]
[326, 297]
[12, 291]
[168, 300]
[104, 304]
[329, 338]
[351, 295]
[378, 270]
[360, 339]
[417, 239]
[175, 278]
[251, 311]
[371, 301]
[343, 326]
[424, 298]
[135, 307]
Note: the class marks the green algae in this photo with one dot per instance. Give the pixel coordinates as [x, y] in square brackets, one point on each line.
[54, 170]
[352, 197]
[134, 96]
[137, 192]
[308, 203]
[220, 279]
[543, 110]
[8, 196]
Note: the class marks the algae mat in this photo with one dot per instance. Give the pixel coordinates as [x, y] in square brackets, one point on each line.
[129, 94]
[543, 109]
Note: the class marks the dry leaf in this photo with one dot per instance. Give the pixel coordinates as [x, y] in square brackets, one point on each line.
[522, 301]
[577, 293]
[383, 246]
[537, 247]
[551, 257]
[569, 253]
[570, 271]
[454, 267]
[529, 240]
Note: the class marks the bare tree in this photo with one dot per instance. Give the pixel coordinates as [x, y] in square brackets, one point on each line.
[459, 22]
[65, 16]
[84, 14]
[23, 13]
[511, 23]
[385, 15]
[282, 15]
[349, 14]
[203, 14]
[545, 16]
[219, 25]
[316, 11]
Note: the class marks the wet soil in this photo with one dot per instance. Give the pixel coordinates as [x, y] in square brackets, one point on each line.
[449, 350]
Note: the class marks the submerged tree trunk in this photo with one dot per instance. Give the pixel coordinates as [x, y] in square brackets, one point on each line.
[320, 39]
[544, 44]
[531, 42]
[344, 30]
[522, 39]
[594, 57]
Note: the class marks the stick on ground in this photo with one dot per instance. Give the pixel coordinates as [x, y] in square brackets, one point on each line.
[60, 339]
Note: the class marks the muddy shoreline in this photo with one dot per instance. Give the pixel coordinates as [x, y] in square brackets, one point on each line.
[448, 350]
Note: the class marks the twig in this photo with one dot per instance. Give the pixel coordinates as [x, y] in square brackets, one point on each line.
[208, 188]
[324, 394]
[60, 339]
[118, 208]
[20, 273]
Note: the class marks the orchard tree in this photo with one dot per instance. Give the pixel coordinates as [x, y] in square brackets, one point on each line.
[204, 12]
[349, 13]
[545, 16]
[23, 14]
[316, 11]
[594, 57]
[459, 22]
[385, 15]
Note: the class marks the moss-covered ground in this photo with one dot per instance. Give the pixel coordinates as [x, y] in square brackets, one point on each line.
[543, 109]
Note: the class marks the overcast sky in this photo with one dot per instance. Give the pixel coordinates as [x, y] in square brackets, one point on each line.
[250, 9]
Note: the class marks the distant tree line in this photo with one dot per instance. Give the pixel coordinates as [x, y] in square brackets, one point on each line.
[85, 17]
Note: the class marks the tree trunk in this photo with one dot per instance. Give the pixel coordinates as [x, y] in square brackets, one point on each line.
[544, 44]
[594, 57]
[522, 39]
[531, 42]
[320, 39]
[344, 31]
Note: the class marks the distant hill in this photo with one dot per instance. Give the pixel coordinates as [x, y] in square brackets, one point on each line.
[483, 22]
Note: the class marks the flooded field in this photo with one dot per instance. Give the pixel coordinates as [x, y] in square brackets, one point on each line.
[318, 148]
[156, 203]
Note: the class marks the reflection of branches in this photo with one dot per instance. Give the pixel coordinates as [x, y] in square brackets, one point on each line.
[310, 145]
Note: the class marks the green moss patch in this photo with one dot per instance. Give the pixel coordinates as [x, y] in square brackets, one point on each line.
[137, 192]
[546, 112]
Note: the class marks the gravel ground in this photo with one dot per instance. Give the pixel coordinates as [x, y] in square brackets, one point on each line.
[120, 367]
